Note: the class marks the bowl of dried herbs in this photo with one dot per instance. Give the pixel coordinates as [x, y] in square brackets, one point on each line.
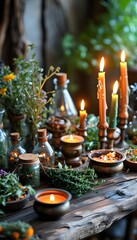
[13, 195]
[131, 159]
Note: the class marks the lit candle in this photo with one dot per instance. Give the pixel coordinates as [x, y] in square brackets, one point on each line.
[62, 108]
[123, 84]
[52, 198]
[102, 95]
[83, 115]
[52, 203]
[71, 148]
[72, 139]
[114, 107]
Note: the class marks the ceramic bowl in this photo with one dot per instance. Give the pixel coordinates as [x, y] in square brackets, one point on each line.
[131, 165]
[51, 210]
[16, 205]
[106, 167]
[131, 160]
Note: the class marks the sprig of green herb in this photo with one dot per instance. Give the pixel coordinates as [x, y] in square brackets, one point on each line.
[76, 181]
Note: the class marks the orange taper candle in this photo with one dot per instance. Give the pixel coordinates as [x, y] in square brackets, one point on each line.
[123, 85]
[102, 95]
[83, 115]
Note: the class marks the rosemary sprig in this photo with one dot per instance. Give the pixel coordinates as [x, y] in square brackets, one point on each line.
[76, 181]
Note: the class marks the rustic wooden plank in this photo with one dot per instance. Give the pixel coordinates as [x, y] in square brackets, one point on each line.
[92, 215]
[89, 214]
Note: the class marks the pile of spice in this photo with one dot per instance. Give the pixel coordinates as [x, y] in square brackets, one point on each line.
[109, 157]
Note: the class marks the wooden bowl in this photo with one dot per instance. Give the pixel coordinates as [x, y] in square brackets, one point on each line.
[106, 167]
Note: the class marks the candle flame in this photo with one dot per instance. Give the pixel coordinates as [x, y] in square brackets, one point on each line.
[52, 198]
[102, 63]
[82, 105]
[115, 87]
[62, 108]
[123, 56]
[71, 137]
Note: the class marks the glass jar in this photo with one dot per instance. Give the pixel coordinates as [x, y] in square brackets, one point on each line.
[43, 149]
[14, 151]
[3, 144]
[30, 171]
[63, 105]
[132, 130]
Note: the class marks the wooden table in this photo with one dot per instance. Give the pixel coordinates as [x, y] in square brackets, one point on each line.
[89, 214]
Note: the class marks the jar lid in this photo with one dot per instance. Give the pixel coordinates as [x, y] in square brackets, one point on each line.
[61, 78]
[28, 158]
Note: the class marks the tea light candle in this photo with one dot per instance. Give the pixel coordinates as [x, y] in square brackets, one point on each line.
[114, 107]
[124, 96]
[83, 115]
[102, 94]
[52, 198]
[52, 202]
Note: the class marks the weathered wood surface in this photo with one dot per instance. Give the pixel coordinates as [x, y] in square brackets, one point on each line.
[89, 214]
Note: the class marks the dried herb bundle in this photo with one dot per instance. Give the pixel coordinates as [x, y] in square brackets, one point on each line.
[76, 181]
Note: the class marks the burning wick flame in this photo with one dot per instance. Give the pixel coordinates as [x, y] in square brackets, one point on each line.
[102, 63]
[123, 56]
[115, 87]
[52, 198]
[82, 105]
[62, 108]
[71, 137]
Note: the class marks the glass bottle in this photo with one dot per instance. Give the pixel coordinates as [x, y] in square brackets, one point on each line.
[43, 149]
[14, 151]
[3, 144]
[63, 105]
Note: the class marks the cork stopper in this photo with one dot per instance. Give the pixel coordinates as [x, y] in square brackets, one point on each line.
[28, 158]
[61, 78]
[15, 136]
[42, 134]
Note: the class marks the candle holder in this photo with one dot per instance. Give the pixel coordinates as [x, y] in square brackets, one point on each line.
[123, 126]
[112, 134]
[102, 135]
[52, 203]
[58, 127]
[82, 131]
[72, 149]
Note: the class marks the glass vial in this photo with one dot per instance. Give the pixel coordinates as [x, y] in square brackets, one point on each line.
[43, 149]
[30, 171]
[3, 144]
[14, 151]
[63, 105]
